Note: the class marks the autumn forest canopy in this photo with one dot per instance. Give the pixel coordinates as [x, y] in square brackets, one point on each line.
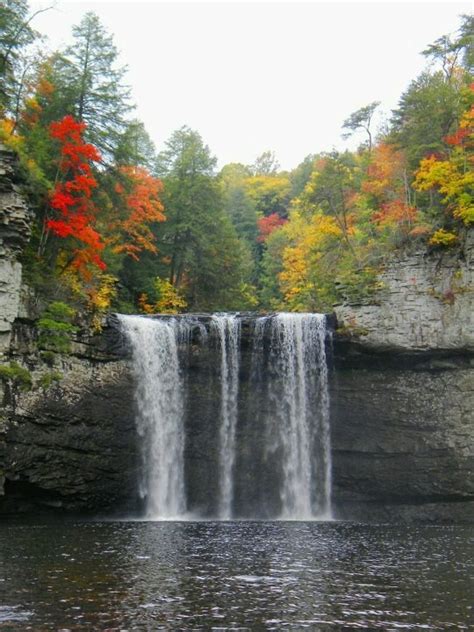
[120, 226]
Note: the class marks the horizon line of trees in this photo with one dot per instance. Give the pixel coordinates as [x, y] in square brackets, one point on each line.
[121, 226]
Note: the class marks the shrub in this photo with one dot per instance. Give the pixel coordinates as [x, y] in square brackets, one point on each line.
[55, 328]
[16, 375]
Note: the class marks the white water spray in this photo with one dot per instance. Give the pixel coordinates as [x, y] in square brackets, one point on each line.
[297, 426]
[160, 408]
[227, 328]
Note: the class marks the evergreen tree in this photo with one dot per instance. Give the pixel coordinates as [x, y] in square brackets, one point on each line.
[205, 256]
[16, 34]
[92, 85]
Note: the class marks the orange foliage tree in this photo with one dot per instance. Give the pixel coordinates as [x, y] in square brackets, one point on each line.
[387, 184]
[139, 205]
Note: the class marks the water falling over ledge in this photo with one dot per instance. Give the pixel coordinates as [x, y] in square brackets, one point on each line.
[242, 432]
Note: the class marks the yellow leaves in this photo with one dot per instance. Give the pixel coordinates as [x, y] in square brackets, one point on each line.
[433, 173]
[170, 300]
[453, 176]
[101, 298]
[453, 179]
[304, 261]
[465, 210]
[8, 136]
[443, 238]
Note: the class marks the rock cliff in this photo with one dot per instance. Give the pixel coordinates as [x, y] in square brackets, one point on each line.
[426, 302]
[15, 229]
[403, 391]
[70, 444]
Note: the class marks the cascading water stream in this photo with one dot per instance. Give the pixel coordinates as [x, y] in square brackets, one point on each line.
[160, 412]
[227, 328]
[297, 419]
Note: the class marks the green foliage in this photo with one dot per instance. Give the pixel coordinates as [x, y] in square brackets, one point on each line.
[265, 165]
[50, 378]
[361, 119]
[48, 357]
[93, 85]
[16, 375]
[343, 212]
[427, 112]
[359, 285]
[199, 243]
[56, 328]
[15, 34]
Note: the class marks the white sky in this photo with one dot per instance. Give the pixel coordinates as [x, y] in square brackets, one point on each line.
[252, 76]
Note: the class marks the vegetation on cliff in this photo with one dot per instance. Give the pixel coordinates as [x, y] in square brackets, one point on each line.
[120, 226]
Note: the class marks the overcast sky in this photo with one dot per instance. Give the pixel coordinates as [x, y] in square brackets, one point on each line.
[252, 76]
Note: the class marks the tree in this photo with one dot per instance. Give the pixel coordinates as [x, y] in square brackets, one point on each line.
[387, 185]
[15, 35]
[135, 147]
[74, 211]
[237, 202]
[137, 205]
[92, 85]
[266, 225]
[453, 176]
[270, 193]
[450, 53]
[431, 107]
[266, 164]
[331, 189]
[361, 119]
[310, 260]
[205, 257]
[301, 174]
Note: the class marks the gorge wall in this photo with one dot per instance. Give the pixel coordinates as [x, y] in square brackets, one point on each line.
[402, 400]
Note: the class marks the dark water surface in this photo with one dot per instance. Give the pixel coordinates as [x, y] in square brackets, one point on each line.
[235, 576]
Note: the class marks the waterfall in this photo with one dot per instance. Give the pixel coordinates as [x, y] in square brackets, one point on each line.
[297, 422]
[278, 464]
[160, 412]
[227, 328]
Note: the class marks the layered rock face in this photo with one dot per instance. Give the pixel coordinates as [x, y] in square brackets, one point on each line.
[70, 445]
[15, 229]
[426, 302]
[403, 435]
[403, 393]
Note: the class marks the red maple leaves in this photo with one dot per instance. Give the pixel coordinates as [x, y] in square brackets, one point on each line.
[71, 198]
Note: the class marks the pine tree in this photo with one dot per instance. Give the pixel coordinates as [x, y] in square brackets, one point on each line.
[92, 85]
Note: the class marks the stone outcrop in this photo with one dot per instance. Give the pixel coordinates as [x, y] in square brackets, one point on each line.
[426, 302]
[15, 229]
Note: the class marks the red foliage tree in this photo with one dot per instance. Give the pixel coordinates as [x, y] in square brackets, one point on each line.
[71, 197]
[266, 226]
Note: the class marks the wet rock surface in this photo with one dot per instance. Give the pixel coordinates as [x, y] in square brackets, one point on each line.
[402, 435]
[71, 445]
